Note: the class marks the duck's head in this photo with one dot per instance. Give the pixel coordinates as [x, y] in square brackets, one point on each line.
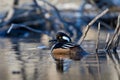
[61, 37]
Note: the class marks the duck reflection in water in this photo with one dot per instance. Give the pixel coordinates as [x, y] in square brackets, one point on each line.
[64, 50]
[63, 65]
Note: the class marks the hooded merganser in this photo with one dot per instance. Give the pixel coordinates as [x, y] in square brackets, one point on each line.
[65, 48]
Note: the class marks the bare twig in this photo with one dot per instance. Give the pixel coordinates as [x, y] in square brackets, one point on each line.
[11, 27]
[106, 25]
[97, 40]
[91, 23]
[114, 35]
[117, 40]
[114, 42]
[24, 26]
[107, 39]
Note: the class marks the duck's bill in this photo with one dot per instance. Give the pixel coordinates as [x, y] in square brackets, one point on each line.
[54, 40]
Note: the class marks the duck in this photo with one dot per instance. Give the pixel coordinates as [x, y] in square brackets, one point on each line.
[64, 48]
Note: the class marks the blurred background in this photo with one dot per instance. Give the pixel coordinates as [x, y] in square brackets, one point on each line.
[26, 26]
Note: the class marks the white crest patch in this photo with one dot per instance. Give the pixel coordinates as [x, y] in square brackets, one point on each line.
[66, 38]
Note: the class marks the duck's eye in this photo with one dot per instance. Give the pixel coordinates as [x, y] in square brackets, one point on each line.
[59, 37]
[66, 38]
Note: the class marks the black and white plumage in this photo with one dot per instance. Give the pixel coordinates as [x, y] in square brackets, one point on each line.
[65, 48]
[68, 45]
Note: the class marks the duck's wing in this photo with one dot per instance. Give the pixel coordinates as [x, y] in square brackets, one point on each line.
[68, 45]
[77, 53]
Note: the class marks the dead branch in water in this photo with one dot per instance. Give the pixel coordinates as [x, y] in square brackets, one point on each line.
[112, 43]
[116, 41]
[90, 24]
[107, 39]
[97, 40]
[114, 35]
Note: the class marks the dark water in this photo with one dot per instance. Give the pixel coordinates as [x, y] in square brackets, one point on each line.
[23, 60]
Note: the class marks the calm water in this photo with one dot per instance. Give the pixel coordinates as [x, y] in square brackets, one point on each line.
[22, 60]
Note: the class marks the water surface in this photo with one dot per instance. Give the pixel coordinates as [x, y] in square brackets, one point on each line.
[22, 60]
